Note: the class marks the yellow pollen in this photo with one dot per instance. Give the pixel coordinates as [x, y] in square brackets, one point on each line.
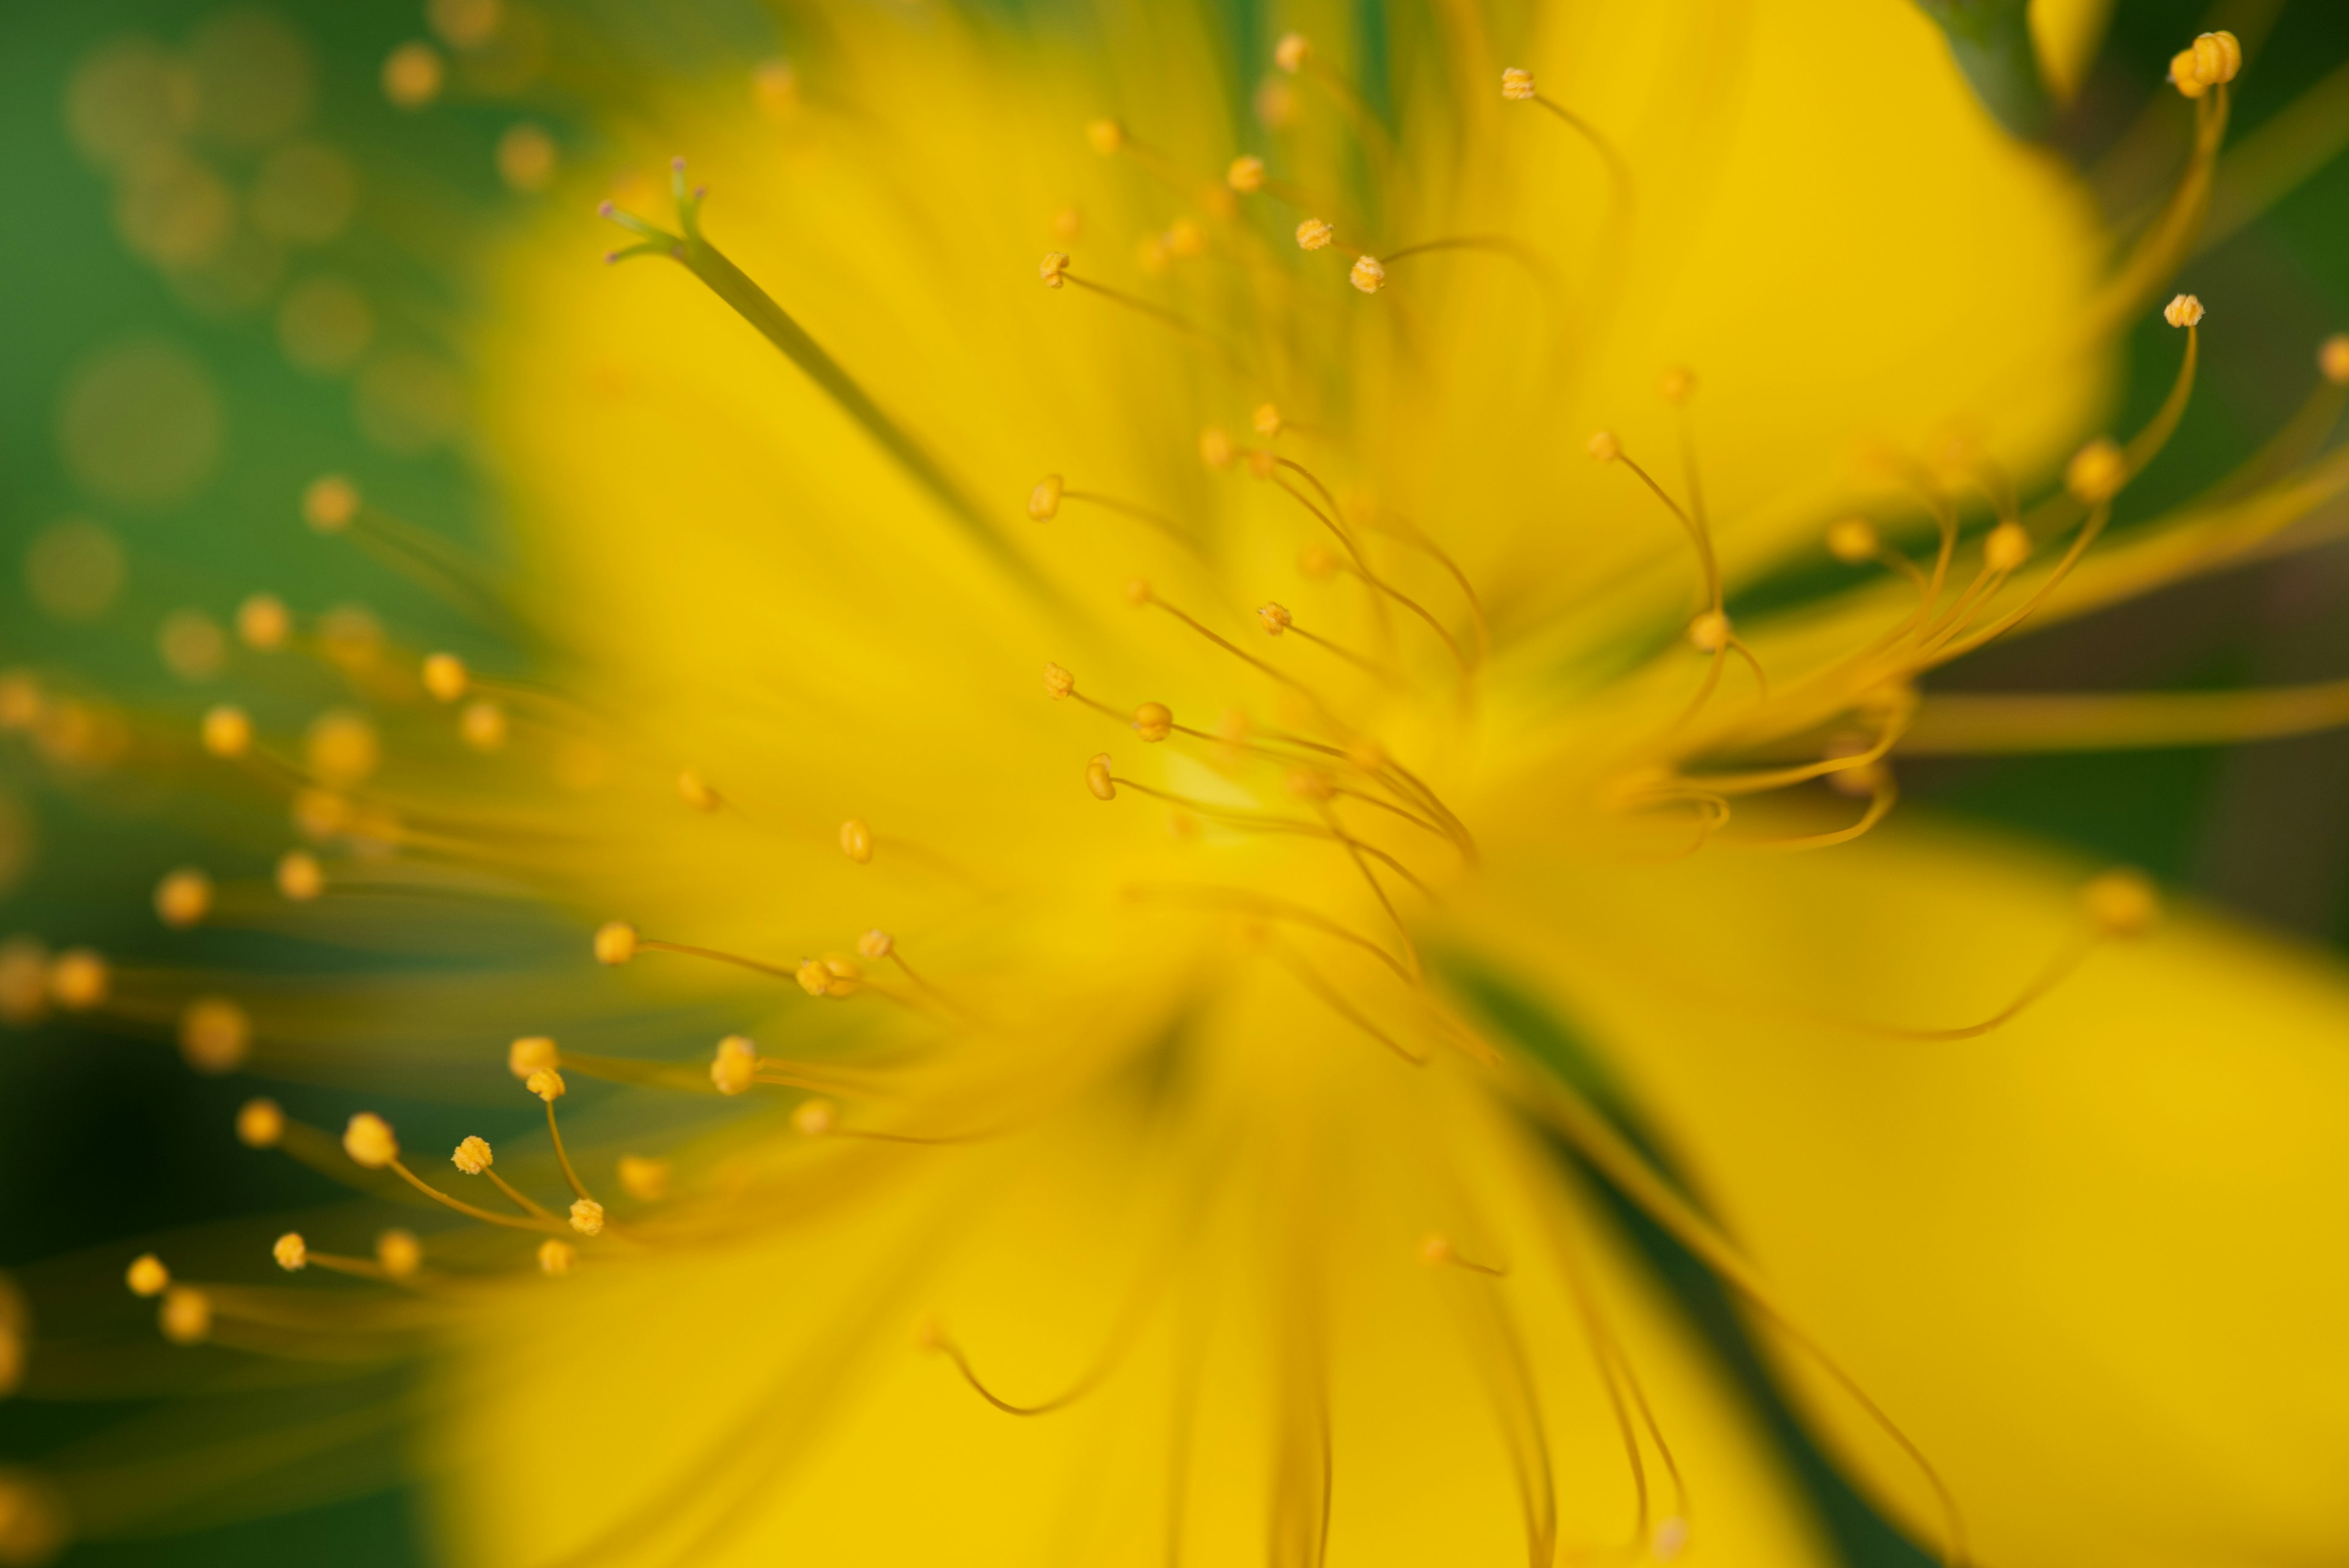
[341, 749]
[183, 898]
[1292, 52]
[615, 944]
[1276, 618]
[1603, 447]
[546, 1083]
[644, 1179]
[2333, 359]
[1184, 239]
[1314, 235]
[227, 732]
[588, 1217]
[1044, 501]
[1677, 385]
[78, 979]
[369, 1140]
[1215, 448]
[1154, 720]
[857, 840]
[482, 725]
[2096, 471]
[329, 503]
[1053, 269]
[813, 978]
[1307, 785]
[399, 1252]
[262, 623]
[291, 1252]
[215, 1036]
[2218, 57]
[1435, 1249]
[2122, 903]
[299, 875]
[2008, 546]
[1106, 136]
[1266, 421]
[1137, 591]
[695, 791]
[1058, 681]
[813, 1118]
[1518, 84]
[147, 1276]
[1852, 540]
[2183, 311]
[1367, 275]
[473, 1156]
[1709, 632]
[875, 945]
[555, 1257]
[445, 677]
[1247, 175]
[1316, 562]
[259, 1124]
[186, 1317]
[412, 76]
[1097, 777]
[735, 1066]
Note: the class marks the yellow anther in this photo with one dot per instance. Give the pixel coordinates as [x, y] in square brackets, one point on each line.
[445, 677]
[615, 944]
[482, 725]
[1307, 785]
[1518, 84]
[1053, 269]
[813, 978]
[1435, 1249]
[2218, 57]
[1276, 618]
[399, 1252]
[227, 731]
[2333, 359]
[1852, 540]
[531, 1054]
[186, 1317]
[183, 898]
[1215, 448]
[1106, 135]
[320, 813]
[1266, 421]
[2007, 547]
[2183, 311]
[1603, 447]
[1670, 1539]
[1677, 385]
[215, 1036]
[1709, 633]
[695, 791]
[412, 75]
[2182, 77]
[1314, 234]
[1291, 53]
[1316, 562]
[21, 702]
[555, 1257]
[262, 623]
[813, 1118]
[473, 1156]
[546, 1083]
[329, 503]
[1367, 275]
[299, 875]
[644, 1179]
[1247, 175]
[735, 1065]
[876, 945]
[291, 1252]
[1058, 681]
[369, 1140]
[2096, 473]
[1150, 252]
[341, 749]
[857, 840]
[1366, 755]
[1154, 720]
[1263, 462]
[1067, 223]
[586, 1216]
[259, 1124]
[930, 1335]
[2122, 903]
[1137, 591]
[147, 1276]
[1044, 501]
[1097, 777]
[78, 979]
[1184, 239]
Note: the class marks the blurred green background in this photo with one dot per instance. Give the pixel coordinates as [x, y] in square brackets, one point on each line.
[183, 344]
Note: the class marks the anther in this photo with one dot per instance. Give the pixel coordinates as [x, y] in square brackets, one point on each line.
[399, 1252]
[615, 944]
[813, 1118]
[1053, 269]
[445, 677]
[329, 503]
[1670, 1539]
[2183, 311]
[1852, 540]
[1184, 239]
[588, 1217]
[555, 1257]
[2096, 471]
[183, 898]
[1603, 447]
[2333, 359]
[293, 1253]
[546, 1083]
[262, 623]
[1367, 275]
[147, 1276]
[78, 981]
[1709, 632]
[644, 1179]
[1518, 84]
[1044, 501]
[1215, 448]
[735, 1065]
[695, 791]
[2212, 59]
[857, 840]
[215, 1036]
[369, 1140]
[259, 1124]
[1058, 681]
[1106, 136]
[1292, 52]
[875, 945]
[299, 877]
[1314, 234]
[482, 725]
[1137, 591]
[832, 977]
[531, 1054]
[227, 731]
[1097, 777]
[1276, 618]
[2122, 903]
[473, 1156]
[186, 1317]
[1154, 721]
[2007, 547]
[1246, 175]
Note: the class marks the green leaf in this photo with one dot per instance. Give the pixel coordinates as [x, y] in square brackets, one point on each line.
[1990, 40]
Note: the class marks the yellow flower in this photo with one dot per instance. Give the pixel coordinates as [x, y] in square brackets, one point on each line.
[1152, 1115]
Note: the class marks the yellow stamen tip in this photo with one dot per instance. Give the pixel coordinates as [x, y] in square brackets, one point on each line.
[399, 1252]
[1044, 501]
[1058, 681]
[445, 677]
[813, 1118]
[291, 1252]
[588, 1217]
[1670, 1539]
[644, 1179]
[857, 840]
[1247, 175]
[1097, 777]
[1276, 618]
[1677, 385]
[1516, 85]
[813, 978]
[1603, 447]
[186, 1317]
[1435, 1249]
[147, 1276]
[259, 1124]
[531, 1054]
[875, 945]
[264, 623]
[1852, 540]
[369, 1140]
[735, 1066]
[1215, 448]
[299, 877]
[2333, 359]
[1106, 136]
[2183, 311]
[1367, 275]
[1709, 633]
[215, 1036]
[329, 503]
[473, 1156]
[2096, 473]
[2122, 903]
[1154, 721]
[2218, 57]
[1266, 421]
[555, 1257]
[615, 944]
[1292, 52]
[183, 898]
[1053, 269]
[79, 980]
[1137, 591]
[227, 731]
[2007, 547]
[696, 793]
[546, 1083]
[1314, 234]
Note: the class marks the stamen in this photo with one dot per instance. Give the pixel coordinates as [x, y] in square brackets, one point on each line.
[1311, 979]
[1606, 447]
[548, 1086]
[1436, 1250]
[1044, 503]
[1055, 272]
[1517, 85]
